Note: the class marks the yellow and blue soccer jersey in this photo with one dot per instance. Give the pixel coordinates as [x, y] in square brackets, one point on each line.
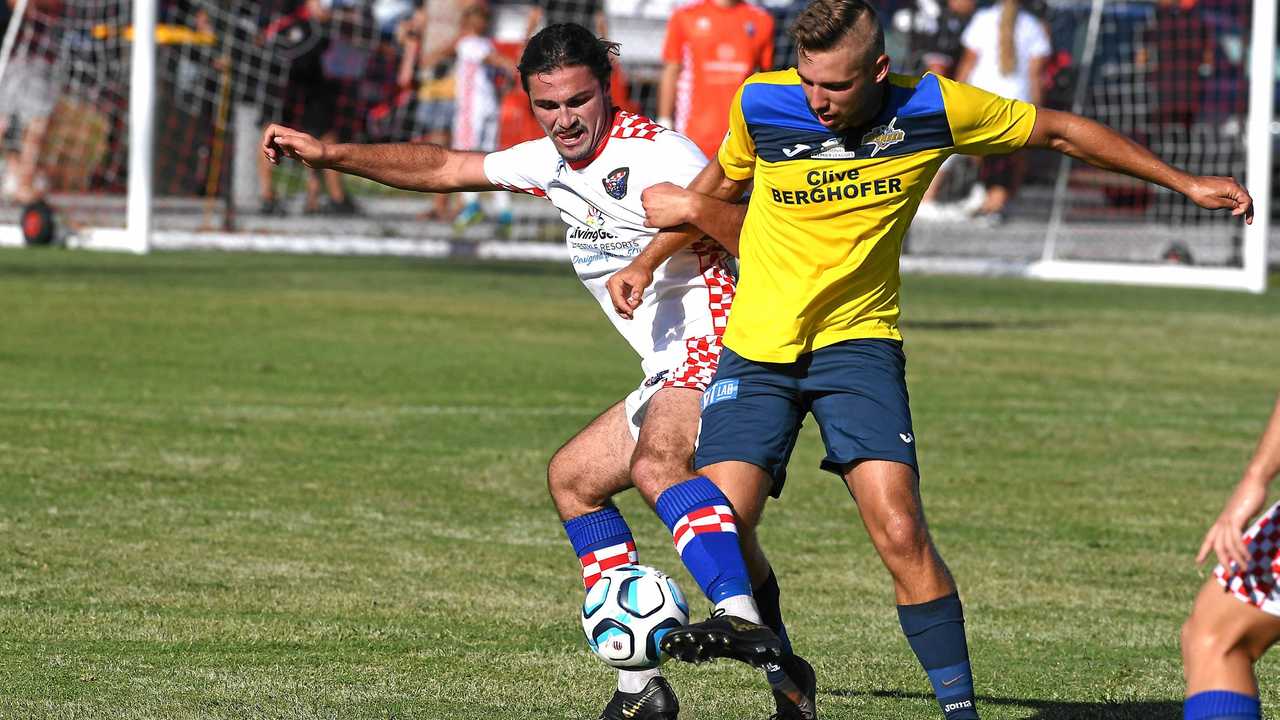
[824, 228]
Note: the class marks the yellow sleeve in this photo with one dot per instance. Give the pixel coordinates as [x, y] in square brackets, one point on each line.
[983, 123]
[737, 151]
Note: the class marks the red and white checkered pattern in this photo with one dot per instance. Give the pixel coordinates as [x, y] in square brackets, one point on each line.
[717, 518]
[703, 353]
[628, 125]
[714, 263]
[1256, 584]
[596, 562]
[699, 366]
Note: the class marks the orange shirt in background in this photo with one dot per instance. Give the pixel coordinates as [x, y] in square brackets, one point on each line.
[717, 48]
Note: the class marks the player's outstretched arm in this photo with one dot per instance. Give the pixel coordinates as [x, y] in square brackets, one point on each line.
[423, 167]
[1225, 536]
[1100, 146]
[627, 285]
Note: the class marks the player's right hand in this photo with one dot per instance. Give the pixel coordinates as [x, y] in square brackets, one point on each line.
[280, 141]
[627, 286]
[1226, 536]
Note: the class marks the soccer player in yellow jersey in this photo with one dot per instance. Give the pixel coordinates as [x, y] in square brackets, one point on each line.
[840, 152]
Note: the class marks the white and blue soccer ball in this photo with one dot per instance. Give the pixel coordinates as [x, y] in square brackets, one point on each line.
[626, 613]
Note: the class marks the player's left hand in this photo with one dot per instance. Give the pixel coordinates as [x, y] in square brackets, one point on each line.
[1226, 537]
[667, 205]
[1216, 193]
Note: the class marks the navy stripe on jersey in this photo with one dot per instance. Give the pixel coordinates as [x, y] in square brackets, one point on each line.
[783, 128]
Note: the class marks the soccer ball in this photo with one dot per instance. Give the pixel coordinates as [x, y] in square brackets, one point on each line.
[626, 613]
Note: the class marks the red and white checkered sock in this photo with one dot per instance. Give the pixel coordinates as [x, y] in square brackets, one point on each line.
[596, 562]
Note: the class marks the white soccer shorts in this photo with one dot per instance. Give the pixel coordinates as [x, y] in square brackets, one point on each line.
[699, 367]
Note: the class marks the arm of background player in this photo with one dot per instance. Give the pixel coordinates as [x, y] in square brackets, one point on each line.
[1224, 537]
[422, 167]
[1100, 146]
[627, 285]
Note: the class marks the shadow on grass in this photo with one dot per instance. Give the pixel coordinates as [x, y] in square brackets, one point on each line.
[1050, 709]
[968, 325]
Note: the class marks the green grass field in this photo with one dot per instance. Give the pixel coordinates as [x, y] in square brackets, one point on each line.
[242, 486]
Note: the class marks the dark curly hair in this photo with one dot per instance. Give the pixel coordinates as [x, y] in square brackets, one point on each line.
[566, 45]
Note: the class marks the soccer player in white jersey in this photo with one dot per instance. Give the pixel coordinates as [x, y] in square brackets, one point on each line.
[1237, 615]
[594, 165]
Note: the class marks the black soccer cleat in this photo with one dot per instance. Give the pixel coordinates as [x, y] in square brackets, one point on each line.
[655, 702]
[803, 705]
[723, 636]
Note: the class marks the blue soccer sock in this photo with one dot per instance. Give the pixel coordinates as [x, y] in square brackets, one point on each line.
[768, 597]
[705, 532]
[935, 631]
[602, 540]
[1221, 705]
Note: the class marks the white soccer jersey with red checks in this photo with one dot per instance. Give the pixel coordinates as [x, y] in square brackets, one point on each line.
[1256, 584]
[676, 330]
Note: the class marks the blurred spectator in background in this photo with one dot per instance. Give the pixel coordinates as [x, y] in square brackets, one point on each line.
[1177, 49]
[711, 47]
[28, 94]
[475, 116]
[784, 13]
[425, 75]
[389, 14]
[587, 13]
[932, 29]
[310, 102]
[27, 98]
[1005, 48]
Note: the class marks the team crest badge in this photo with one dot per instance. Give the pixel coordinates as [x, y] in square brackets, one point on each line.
[884, 136]
[615, 183]
[750, 28]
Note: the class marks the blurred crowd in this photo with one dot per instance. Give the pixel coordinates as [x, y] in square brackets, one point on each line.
[443, 71]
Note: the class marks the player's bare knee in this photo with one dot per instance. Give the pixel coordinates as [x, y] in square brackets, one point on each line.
[567, 484]
[1206, 641]
[653, 471]
[901, 535]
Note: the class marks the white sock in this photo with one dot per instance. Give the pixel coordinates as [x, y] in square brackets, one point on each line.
[744, 606]
[633, 681]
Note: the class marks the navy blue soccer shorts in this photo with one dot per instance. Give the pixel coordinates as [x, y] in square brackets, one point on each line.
[856, 390]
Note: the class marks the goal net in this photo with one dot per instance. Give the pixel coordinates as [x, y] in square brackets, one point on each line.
[1181, 77]
[1191, 79]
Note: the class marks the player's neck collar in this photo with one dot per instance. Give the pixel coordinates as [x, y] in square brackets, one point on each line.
[580, 164]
